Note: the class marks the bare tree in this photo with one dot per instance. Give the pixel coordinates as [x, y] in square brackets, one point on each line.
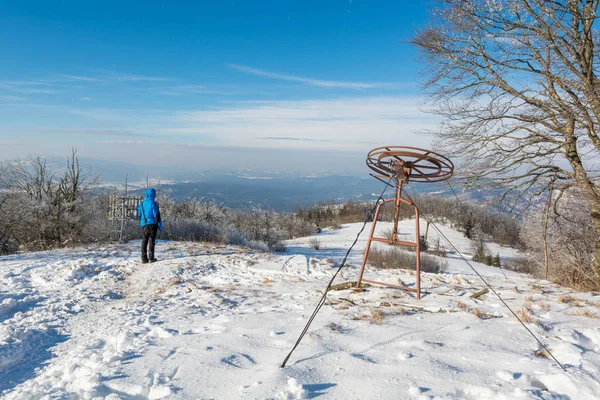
[516, 82]
[47, 209]
[34, 199]
[74, 180]
[73, 187]
[32, 178]
[6, 243]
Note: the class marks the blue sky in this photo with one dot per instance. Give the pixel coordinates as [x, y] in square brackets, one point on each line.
[196, 84]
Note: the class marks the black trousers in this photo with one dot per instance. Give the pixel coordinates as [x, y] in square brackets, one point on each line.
[148, 239]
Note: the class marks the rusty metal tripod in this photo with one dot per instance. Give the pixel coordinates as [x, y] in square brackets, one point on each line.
[396, 166]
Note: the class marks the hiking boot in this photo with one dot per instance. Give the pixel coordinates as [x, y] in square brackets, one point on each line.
[144, 261]
[153, 260]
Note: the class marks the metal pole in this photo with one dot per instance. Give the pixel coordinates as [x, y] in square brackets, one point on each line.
[362, 268]
[418, 250]
[396, 211]
[122, 220]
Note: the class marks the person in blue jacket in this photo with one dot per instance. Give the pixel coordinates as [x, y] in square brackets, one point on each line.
[151, 223]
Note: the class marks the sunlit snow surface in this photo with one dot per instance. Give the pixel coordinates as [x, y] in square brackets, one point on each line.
[210, 321]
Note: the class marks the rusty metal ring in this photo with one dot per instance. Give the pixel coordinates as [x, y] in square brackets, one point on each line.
[421, 165]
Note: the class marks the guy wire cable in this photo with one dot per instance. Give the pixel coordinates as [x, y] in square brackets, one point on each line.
[460, 203]
[487, 284]
[324, 297]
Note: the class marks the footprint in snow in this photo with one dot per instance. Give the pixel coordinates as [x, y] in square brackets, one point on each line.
[405, 355]
[508, 376]
[239, 360]
[364, 358]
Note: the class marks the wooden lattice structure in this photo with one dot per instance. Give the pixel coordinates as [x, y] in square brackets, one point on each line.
[123, 208]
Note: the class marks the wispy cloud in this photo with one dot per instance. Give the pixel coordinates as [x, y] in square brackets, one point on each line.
[33, 82]
[181, 90]
[298, 139]
[105, 114]
[104, 76]
[31, 90]
[100, 132]
[11, 98]
[79, 78]
[157, 143]
[338, 109]
[309, 81]
[66, 83]
[124, 77]
[53, 85]
[125, 142]
[221, 90]
[28, 87]
[343, 123]
[339, 123]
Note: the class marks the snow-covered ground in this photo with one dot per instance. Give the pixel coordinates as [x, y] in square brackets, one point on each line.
[210, 321]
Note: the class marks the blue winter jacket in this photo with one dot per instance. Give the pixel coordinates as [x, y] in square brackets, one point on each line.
[148, 209]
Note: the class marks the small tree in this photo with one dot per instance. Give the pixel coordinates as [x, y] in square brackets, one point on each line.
[468, 226]
[423, 243]
[496, 263]
[480, 251]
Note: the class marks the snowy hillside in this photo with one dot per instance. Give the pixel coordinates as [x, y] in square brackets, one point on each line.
[210, 321]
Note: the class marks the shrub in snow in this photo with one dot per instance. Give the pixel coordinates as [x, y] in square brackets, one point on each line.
[234, 237]
[569, 245]
[398, 258]
[438, 249]
[387, 234]
[335, 224]
[193, 230]
[519, 264]
[279, 247]
[258, 245]
[261, 224]
[315, 243]
[294, 226]
[481, 253]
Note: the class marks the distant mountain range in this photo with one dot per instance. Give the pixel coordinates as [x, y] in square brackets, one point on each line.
[283, 192]
[244, 188]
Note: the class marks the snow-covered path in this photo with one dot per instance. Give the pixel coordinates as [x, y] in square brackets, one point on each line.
[213, 321]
